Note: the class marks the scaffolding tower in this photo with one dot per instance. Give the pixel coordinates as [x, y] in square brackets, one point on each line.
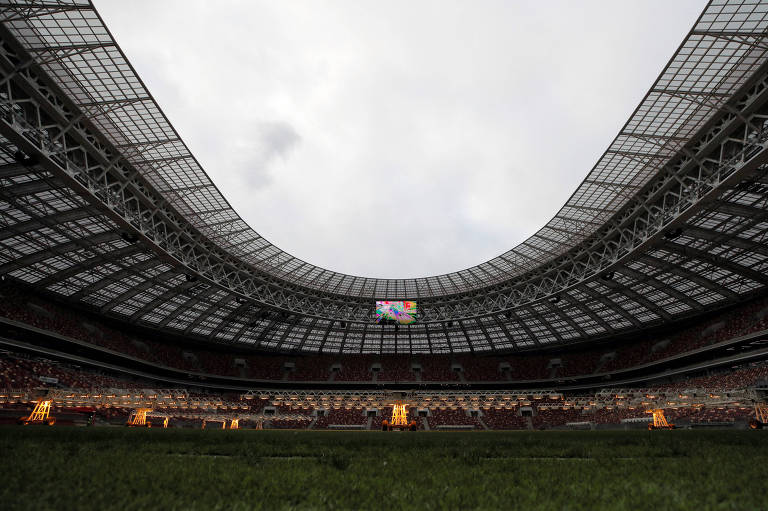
[761, 412]
[139, 419]
[40, 414]
[761, 416]
[659, 420]
[399, 414]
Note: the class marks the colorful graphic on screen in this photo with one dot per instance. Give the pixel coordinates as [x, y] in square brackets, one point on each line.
[402, 312]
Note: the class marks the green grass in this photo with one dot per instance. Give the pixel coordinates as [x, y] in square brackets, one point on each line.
[121, 468]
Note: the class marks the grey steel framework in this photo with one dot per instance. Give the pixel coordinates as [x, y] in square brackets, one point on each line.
[103, 205]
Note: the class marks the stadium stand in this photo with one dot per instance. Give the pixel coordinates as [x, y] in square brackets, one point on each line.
[354, 417]
[287, 424]
[19, 372]
[483, 369]
[22, 375]
[546, 417]
[653, 274]
[355, 369]
[23, 307]
[395, 368]
[318, 368]
[446, 418]
[437, 368]
[504, 419]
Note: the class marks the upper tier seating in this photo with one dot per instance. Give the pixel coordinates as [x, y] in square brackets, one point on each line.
[24, 373]
[394, 368]
[20, 305]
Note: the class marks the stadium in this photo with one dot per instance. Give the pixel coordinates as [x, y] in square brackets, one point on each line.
[152, 340]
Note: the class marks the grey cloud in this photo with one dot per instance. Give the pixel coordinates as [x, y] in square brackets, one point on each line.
[277, 139]
[255, 153]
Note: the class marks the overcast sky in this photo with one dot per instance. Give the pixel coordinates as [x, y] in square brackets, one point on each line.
[398, 138]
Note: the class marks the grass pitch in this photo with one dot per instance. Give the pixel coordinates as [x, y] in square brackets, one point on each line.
[121, 468]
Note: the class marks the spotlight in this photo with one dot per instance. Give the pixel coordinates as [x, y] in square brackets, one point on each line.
[343, 324]
[450, 324]
[673, 233]
[555, 299]
[190, 277]
[240, 300]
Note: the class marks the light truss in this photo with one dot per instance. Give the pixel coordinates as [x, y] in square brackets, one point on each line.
[161, 247]
[178, 403]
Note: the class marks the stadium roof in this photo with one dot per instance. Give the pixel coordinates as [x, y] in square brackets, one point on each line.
[103, 204]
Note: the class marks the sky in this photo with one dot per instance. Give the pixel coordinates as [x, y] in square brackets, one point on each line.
[398, 139]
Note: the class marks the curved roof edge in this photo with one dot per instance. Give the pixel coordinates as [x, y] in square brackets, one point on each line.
[702, 76]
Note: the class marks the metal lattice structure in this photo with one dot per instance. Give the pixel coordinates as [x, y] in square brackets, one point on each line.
[659, 420]
[40, 414]
[761, 413]
[302, 402]
[104, 206]
[399, 414]
[139, 417]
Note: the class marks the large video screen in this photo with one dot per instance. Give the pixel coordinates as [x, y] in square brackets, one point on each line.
[401, 312]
